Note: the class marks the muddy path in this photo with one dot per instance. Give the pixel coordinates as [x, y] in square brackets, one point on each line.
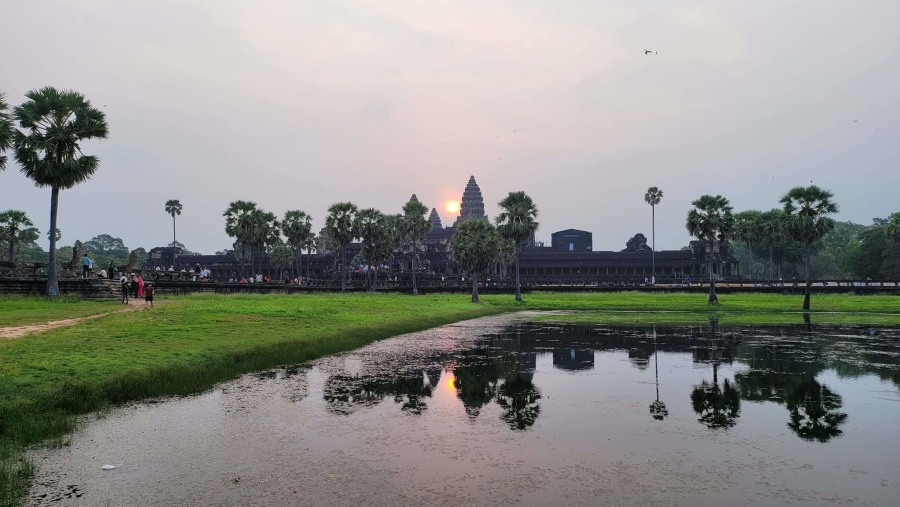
[13, 332]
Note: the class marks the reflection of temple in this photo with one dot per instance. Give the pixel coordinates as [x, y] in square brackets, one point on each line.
[573, 359]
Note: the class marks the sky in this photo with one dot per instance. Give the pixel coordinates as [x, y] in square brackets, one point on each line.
[300, 104]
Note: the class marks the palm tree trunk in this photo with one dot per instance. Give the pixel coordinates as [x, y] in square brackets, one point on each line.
[808, 284]
[343, 268]
[518, 284]
[243, 259]
[12, 244]
[173, 240]
[653, 246]
[771, 261]
[750, 260]
[713, 299]
[52, 282]
[415, 257]
[474, 288]
[299, 264]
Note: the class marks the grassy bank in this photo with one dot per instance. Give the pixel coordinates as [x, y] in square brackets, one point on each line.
[20, 310]
[193, 342]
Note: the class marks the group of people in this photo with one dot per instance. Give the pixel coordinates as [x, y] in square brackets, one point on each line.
[201, 273]
[87, 268]
[137, 288]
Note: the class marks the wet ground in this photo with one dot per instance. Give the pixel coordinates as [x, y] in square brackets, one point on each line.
[497, 411]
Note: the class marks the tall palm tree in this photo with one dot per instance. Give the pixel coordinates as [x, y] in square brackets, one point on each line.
[772, 230]
[711, 222]
[474, 247]
[16, 228]
[517, 222]
[297, 227]
[371, 226]
[265, 233]
[239, 225]
[341, 226]
[173, 207]
[652, 197]
[415, 226]
[54, 124]
[6, 130]
[808, 210]
[748, 227]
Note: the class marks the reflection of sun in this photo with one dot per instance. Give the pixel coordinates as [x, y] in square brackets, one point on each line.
[452, 206]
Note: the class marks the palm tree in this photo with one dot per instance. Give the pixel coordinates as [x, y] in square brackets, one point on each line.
[652, 197]
[474, 247]
[265, 233]
[808, 210]
[340, 225]
[893, 227]
[748, 227]
[173, 207]
[6, 130]
[54, 124]
[282, 256]
[415, 226]
[710, 221]
[371, 226]
[297, 227]
[506, 254]
[772, 230]
[239, 225]
[517, 222]
[16, 227]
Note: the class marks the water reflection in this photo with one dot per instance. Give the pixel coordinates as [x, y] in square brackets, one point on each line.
[778, 365]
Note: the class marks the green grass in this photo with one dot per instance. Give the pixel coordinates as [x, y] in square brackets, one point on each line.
[19, 311]
[192, 342]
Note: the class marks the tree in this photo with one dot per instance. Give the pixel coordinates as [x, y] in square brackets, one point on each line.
[371, 227]
[474, 247]
[808, 210]
[652, 197]
[415, 226]
[517, 221]
[282, 257]
[506, 254]
[297, 228]
[239, 225]
[893, 227]
[748, 227]
[55, 123]
[105, 248]
[173, 207]
[265, 232]
[341, 227]
[6, 130]
[711, 222]
[16, 229]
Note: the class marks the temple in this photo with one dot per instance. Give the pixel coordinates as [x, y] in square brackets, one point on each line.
[570, 258]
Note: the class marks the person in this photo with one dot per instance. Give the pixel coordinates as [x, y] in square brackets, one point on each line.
[148, 294]
[171, 269]
[85, 266]
[140, 289]
[102, 273]
[90, 267]
[123, 281]
[111, 270]
[134, 285]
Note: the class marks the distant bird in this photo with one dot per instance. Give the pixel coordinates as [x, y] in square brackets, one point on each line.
[648, 52]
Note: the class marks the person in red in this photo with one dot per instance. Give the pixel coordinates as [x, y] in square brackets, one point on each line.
[148, 294]
[140, 289]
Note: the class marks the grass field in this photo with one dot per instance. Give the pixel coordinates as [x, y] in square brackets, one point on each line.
[18, 311]
[192, 342]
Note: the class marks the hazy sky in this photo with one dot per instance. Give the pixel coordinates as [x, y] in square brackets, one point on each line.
[300, 104]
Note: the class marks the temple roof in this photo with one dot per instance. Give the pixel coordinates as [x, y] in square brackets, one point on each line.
[435, 219]
[472, 203]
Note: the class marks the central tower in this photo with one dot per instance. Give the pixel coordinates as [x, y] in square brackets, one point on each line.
[472, 204]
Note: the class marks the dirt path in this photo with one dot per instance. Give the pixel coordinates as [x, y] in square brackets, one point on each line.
[12, 332]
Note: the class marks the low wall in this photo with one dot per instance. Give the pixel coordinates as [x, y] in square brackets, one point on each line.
[88, 289]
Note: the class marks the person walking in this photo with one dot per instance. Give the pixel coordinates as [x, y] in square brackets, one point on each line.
[140, 289]
[134, 285]
[126, 288]
[148, 294]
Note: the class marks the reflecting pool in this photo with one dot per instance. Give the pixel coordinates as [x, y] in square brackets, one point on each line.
[504, 411]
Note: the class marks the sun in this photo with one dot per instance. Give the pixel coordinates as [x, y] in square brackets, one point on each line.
[452, 206]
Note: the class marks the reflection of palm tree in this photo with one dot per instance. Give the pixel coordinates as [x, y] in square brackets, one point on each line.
[518, 397]
[657, 409]
[814, 411]
[476, 382]
[717, 407]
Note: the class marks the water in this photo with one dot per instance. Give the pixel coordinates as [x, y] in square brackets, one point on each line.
[499, 411]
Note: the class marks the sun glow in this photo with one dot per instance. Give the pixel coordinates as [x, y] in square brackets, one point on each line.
[452, 206]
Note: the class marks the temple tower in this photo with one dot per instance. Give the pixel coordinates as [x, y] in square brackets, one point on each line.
[472, 204]
[435, 220]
